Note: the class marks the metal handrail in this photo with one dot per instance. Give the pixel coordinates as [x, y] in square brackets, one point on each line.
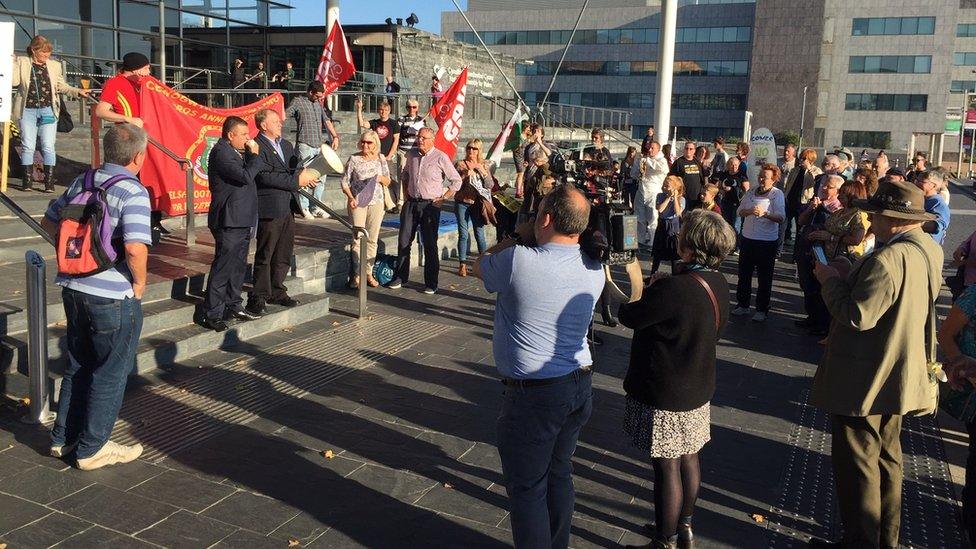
[185, 164]
[26, 218]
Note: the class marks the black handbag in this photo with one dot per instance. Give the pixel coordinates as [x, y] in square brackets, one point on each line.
[65, 122]
[957, 282]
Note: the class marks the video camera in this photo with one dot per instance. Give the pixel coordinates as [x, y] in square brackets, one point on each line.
[611, 234]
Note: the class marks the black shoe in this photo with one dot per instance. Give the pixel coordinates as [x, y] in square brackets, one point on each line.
[805, 323]
[214, 324]
[394, 210]
[255, 307]
[241, 314]
[284, 301]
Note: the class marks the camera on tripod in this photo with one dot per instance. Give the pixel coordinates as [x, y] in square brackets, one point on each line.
[611, 233]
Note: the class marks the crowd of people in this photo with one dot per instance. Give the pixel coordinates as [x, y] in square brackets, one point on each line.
[865, 240]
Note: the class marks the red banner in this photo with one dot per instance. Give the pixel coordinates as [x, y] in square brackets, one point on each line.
[189, 129]
[448, 112]
[336, 65]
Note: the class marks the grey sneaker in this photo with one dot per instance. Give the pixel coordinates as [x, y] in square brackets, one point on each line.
[61, 451]
[740, 311]
[110, 454]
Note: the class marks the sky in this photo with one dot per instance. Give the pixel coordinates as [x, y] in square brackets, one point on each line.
[312, 12]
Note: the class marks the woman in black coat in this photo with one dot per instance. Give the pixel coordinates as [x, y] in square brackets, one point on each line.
[671, 377]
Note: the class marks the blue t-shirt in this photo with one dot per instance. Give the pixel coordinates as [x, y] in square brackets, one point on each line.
[544, 307]
[128, 210]
[967, 336]
[936, 205]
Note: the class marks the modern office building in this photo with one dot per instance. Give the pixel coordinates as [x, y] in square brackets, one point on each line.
[877, 73]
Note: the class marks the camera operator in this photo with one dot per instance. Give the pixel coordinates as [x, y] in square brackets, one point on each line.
[546, 289]
[597, 148]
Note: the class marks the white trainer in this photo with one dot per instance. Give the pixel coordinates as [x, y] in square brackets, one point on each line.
[110, 454]
[321, 214]
[740, 311]
[307, 214]
[61, 451]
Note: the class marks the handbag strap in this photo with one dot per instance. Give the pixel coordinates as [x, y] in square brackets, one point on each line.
[711, 295]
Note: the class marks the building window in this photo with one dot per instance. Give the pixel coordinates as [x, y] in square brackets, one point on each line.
[888, 26]
[961, 86]
[900, 64]
[634, 68]
[964, 58]
[964, 30]
[701, 101]
[866, 139]
[607, 36]
[899, 102]
[600, 100]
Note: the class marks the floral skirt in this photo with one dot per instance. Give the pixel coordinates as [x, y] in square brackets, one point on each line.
[667, 434]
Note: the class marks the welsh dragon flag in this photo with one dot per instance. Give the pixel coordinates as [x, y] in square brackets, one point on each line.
[509, 138]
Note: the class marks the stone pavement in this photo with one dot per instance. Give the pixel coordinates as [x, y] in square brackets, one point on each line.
[381, 432]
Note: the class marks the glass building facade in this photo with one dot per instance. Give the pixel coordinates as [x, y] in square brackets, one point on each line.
[91, 35]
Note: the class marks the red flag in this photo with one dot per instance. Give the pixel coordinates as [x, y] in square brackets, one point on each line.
[336, 65]
[448, 112]
[189, 130]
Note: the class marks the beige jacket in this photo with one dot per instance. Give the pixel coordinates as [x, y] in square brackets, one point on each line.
[22, 80]
[808, 182]
[875, 361]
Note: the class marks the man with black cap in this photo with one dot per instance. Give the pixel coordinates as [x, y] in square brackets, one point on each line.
[879, 362]
[120, 94]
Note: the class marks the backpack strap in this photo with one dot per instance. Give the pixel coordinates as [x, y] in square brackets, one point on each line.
[88, 183]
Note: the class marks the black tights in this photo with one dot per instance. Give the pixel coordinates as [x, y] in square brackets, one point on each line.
[676, 482]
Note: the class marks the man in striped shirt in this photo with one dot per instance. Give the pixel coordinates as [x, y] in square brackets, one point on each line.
[104, 311]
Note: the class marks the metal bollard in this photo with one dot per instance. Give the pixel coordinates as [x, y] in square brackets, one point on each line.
[39, 410]
[363, 273]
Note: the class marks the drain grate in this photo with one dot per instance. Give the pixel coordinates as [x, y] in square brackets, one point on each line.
[807, 505]
[169, 418]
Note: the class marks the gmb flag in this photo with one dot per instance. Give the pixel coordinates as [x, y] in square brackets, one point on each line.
[448, 112]
[189, 130]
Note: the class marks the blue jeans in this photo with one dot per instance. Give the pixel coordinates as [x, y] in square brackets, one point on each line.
[306, 152]
[469, 215]
[537, 432]
[103, 334]
[30, 128]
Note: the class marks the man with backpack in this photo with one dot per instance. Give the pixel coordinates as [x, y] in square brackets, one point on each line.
[102, 260]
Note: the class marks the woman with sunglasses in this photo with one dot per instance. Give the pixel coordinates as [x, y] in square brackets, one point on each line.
[477, 184]
[364, 183]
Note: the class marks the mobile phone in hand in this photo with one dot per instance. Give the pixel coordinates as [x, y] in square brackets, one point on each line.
[818, 253]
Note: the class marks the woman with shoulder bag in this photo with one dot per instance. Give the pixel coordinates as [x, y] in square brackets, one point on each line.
[671, 380]
[37, 85]
[473, 206]
[364, 183]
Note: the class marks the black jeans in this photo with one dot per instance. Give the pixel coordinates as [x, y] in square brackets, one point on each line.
[756, 255]
[812, 298]
[227, 271]
[272, 258]
[425, 215]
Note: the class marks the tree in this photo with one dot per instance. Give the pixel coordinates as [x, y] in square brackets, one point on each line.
[788, 137]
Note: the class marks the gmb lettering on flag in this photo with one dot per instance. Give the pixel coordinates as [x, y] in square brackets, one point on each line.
[448, 112]
[190, 130]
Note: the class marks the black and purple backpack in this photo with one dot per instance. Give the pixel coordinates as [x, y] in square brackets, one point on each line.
[85, 244]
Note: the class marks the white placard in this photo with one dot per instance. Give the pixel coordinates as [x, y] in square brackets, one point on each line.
[762, 150]
[6, 69]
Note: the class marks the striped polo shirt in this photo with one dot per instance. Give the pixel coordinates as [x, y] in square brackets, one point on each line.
[128, 208]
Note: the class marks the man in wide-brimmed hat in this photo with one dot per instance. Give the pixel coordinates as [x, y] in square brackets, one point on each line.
[876, 366]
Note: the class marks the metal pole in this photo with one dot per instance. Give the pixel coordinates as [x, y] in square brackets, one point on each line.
[665, 72]
[562, 58]
[363, 237]
[331, 14]
[191, 234]
[491, 55]
[162, 40]
[962, 132]
[972, 139]
[803, 115]
[39, 408]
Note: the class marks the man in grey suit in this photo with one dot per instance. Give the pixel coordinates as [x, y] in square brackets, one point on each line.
[233, 213]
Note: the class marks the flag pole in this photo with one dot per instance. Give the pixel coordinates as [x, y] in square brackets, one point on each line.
[491, 55]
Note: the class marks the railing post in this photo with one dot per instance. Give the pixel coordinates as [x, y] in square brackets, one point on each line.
[363, 274]
[191, 235]
[96, 142]
[39, 408]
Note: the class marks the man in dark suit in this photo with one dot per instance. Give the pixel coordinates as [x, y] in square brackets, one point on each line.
[233, 213]
[277, 182]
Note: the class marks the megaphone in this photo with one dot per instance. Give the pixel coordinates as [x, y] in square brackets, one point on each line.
[325, 162]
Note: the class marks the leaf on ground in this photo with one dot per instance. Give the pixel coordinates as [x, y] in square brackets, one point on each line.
[241, 362]
[448, 485]
[3, 546]
[182, 390]
[328, 454]
[335, 322]
[240, 386]
[287, 330]
[291, 543]
[758, 518]
[454, 286]
[23, 402]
